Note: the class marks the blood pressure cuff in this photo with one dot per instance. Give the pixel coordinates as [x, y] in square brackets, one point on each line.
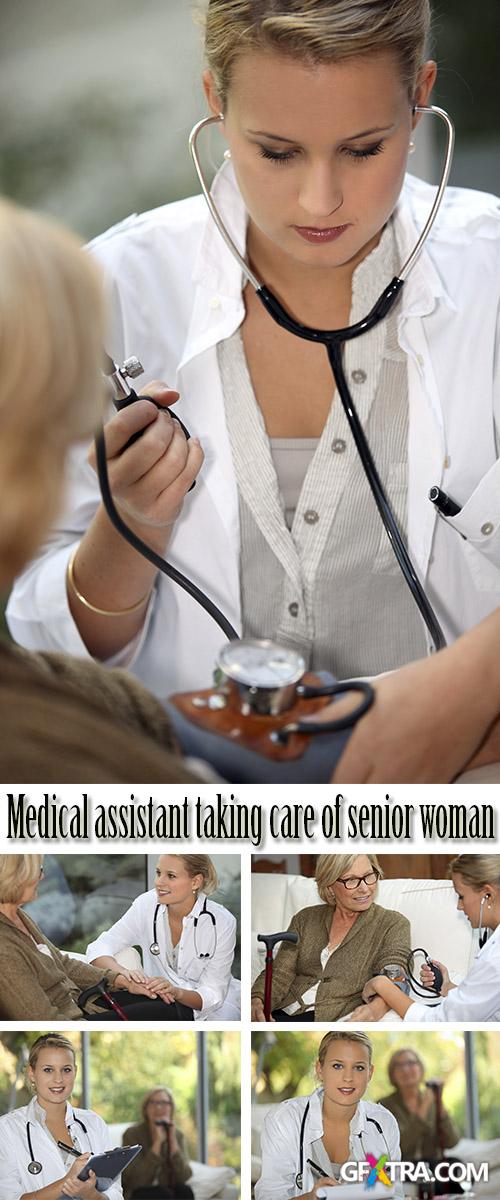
[398, 976]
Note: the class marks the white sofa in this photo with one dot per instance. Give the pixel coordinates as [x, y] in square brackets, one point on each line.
[207, 1183]
[429, 904]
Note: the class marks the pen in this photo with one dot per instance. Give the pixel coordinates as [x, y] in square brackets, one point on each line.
[444, 503]
[69, 1149]
[315, 1167]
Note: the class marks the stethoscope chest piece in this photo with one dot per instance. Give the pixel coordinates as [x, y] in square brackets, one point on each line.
[260, 675]
[35, 1168]
[261, 696]
[154, 948]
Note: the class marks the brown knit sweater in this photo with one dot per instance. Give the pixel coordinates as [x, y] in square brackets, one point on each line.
[418, 1135]
[147, 1169]
[378, 937]
[36, 987]
[70, 720]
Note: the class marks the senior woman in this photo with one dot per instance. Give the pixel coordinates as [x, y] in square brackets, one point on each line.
[31, 1136]
[476, 879]
[306, 1141]
[62, 718]
[425, 1127]
[186, 940]
[322, 976]
[37, 981]
[162, 1169]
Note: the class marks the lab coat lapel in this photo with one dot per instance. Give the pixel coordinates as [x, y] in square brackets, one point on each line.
[423, 292]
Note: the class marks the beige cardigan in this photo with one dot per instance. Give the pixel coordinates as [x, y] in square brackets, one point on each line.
[36, 987]
[378, 937]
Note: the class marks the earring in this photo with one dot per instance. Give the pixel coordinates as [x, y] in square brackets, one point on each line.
[227, 155]
[411, 148]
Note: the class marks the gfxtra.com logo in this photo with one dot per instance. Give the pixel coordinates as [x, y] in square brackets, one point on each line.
[377, 1173]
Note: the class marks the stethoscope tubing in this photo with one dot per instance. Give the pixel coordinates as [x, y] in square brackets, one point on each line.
[334, 341]
[35, 1167]
[205, 912]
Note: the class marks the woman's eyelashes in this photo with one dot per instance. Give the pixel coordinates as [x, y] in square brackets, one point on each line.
[282, 157]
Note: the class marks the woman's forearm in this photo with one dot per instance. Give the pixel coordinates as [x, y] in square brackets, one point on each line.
[108, 963]
[392, 995]
[51, 1192]
[189, 998]
[114, 577]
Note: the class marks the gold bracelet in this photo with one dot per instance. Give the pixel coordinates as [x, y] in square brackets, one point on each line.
[101, 612]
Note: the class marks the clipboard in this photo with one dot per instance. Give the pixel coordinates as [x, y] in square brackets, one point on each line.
[109, 1166]
[355, 1192]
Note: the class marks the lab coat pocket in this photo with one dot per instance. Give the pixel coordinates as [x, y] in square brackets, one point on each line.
[479, 523]
[396, 490]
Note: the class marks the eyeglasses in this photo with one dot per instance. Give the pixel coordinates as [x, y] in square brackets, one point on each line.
[405, 1062]
[353, 881]
[160, 1103]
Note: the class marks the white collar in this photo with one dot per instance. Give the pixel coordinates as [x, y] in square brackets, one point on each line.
[315, 1116]
[36, 1112]
[218, 308]
[195, 911]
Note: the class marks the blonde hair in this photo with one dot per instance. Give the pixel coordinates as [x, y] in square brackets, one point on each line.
[51, 330]
[316, 32]
[477, 869]
[17, 871]
[154, 1092]
[52, 1041]
[339, 1035]
[200, 864]
[330, 867]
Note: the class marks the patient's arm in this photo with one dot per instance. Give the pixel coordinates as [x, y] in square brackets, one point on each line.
[374, 1010]
[111, 964]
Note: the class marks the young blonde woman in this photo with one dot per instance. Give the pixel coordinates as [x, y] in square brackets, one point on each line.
[318, 101]
[476, 879]
[63, 720]
[30, 1135]
[306, 1141]
[322, 976]
[186, 940]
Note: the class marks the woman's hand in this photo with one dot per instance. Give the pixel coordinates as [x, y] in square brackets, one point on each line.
[124, 982]
[431, 719]
[325, 1181]
[71, 1185]
[257, 1011]
[150, 479]
[364, 1012]
[427, 976]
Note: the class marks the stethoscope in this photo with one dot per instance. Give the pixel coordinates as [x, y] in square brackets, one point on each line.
[35, 1167]
[299, 1178]
[333, 341]
[205, 912]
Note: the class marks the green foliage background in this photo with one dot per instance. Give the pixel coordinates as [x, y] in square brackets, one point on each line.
[286, 1068]
[123, 1066]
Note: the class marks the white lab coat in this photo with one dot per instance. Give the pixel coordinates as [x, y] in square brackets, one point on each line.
[477, 997]
[176, 292]
[280, 1144]
[210, 977]
[15, 1179]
